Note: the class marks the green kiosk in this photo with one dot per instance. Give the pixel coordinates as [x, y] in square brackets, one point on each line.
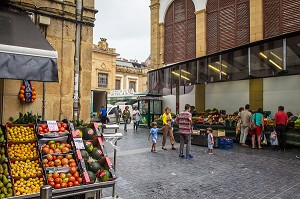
[150, 107]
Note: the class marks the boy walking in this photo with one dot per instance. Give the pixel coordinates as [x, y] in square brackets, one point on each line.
[153, 134]
[210, 141]
[184, 120]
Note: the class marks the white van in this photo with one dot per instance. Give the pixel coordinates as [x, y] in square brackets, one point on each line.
[111, 113]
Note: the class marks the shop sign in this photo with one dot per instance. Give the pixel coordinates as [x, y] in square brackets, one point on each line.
[121, 92]
[52, 125]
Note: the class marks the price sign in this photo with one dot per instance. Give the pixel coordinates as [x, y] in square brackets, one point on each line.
[52, 125]
[79, 143]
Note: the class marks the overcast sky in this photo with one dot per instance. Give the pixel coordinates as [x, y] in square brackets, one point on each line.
[126, 25]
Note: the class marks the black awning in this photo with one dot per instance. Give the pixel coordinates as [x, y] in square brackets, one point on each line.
[24, 51]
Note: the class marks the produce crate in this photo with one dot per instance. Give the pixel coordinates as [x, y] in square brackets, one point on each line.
[16, 179]
[66, 132]
[9, 145]
[225, 143]
[64, 139]
[218, 133]
[10, 125]
[32, 160]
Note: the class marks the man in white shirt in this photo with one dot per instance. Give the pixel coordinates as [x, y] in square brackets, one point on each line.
[245, 124]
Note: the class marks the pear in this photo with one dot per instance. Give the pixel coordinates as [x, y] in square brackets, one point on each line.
[9, 185]
[6, 173]
[4, 190]
[2, 138]
[1, 184]
[2, 151]
[1, 169]
[9, 190]
[8, 195]
[2, 195]
[5, 167]
[4, 180]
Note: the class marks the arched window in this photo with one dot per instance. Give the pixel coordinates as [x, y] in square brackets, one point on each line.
[180, 32]
[228, 24]
[281, 16]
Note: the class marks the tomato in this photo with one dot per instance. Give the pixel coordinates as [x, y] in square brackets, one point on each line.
[70, 184]
[69, 175]
[61, 129]
[73, 164]
[65, 125]
[71, 160]
[51, 164]
[58, 180]
[72, 179]
[57, 186]
[79, 180]
[69, 156]
[76, 175]
[57, 150]
[76, 183]
[52, 184]
[62, 175]
[68, 146]
[73, 170]
[54, 157]
[46, 150]
[58, 124]
[43, 126]
[55, 175]
[60, 157]
[66, 180]
[64, 161]
[46, 130]
[49, 157]
[50, 179]
[40, 128]
[64, 185]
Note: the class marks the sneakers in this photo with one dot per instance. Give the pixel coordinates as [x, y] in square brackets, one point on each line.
[298, 156]
[189, 156]
[181, 156]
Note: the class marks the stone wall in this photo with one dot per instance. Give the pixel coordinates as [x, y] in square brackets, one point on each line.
[61, 35]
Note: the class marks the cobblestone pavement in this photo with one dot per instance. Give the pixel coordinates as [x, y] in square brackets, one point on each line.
[235, 173]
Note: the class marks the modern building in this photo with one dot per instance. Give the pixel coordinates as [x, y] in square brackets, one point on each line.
[119, 78]
[68, 27]
[225, 54]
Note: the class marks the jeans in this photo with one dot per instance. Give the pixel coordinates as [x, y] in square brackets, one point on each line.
[136, 125]
[244, 133]
[125, 124]
[280, 130]
[185, 138]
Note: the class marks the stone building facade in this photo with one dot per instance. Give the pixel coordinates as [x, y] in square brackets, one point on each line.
[111, 73]
[61, 35]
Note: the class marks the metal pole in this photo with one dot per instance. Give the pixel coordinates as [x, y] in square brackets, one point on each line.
[249, 61]
[115, 159]
[46, 192]
[284, 54]
[44, 101]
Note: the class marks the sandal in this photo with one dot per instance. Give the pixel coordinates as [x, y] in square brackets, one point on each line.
[164, 148]
[174, 148]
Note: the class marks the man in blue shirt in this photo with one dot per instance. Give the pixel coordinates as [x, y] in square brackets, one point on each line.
[103, 115]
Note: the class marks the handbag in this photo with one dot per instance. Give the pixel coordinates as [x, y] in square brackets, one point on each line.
[253, 124]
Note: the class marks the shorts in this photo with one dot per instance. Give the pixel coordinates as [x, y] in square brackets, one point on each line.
[257, 131]
[210, 146]
[153, 140]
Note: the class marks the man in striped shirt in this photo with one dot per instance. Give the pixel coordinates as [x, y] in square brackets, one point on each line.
[184, 120]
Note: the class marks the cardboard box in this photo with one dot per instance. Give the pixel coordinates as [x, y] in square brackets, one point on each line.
[218, 133]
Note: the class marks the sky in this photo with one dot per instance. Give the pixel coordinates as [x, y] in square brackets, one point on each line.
[126, 26]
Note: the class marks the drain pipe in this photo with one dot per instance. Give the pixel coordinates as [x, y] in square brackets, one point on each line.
[77, 60]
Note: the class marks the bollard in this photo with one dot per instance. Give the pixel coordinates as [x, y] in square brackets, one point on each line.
[46, 192]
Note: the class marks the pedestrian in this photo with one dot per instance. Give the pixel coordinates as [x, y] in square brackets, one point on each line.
[210, 141]
[167, 129]
[103, 115]
[238, 125]
[153, 134]
[118, 114]
[126, 116]
[245, 124]
[281, 119]
[136, 115]
[258, 119]
[184, 120]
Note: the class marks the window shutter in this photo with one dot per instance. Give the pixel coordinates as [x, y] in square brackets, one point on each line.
[271, 18]
[290, 15]
[227, 24]
[191, 39]
[243, 23]
[212, 32]
[179, 41]
[168, 44]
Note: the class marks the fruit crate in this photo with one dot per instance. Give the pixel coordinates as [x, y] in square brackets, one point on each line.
[50, 163]
[225, 143]
[65, 149]
[93, 126]
[62, 132]
[35, 160]
[10, 144]
[39, 178]
[10, 125]
[8, 184]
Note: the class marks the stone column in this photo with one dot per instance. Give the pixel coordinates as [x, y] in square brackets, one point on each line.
[162, 44]
[200, 97]
[200, 33]
[155, 44]
[256, 93]
[256, 20]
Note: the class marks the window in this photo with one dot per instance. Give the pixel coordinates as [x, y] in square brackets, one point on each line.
[132, 85]
[118, 84]
[102, 80]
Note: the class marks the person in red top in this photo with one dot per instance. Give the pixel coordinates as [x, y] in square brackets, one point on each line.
[281, 119]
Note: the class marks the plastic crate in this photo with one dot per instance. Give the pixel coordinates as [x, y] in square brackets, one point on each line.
[225, 146]
[225, 143]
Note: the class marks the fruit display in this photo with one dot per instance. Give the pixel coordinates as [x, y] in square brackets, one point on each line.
[6, 187]
[27, 92]
[1, 134]
[62, 128]
[297, 122]
[2, 154]
[22, 151]
[55, 147]
[28, 168]
[88, 134]
[63, 180]
[20, 133]
[28, 186]
[59, 161]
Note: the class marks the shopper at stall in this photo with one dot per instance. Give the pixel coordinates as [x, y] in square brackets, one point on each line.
[118, 114]
[103, 115]
[153, 134]
[136, 118]
[258, 120]
[184, 120]
[245, 123]
[126, 116]
[210, 141]
[281, 119]
[167, 129]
